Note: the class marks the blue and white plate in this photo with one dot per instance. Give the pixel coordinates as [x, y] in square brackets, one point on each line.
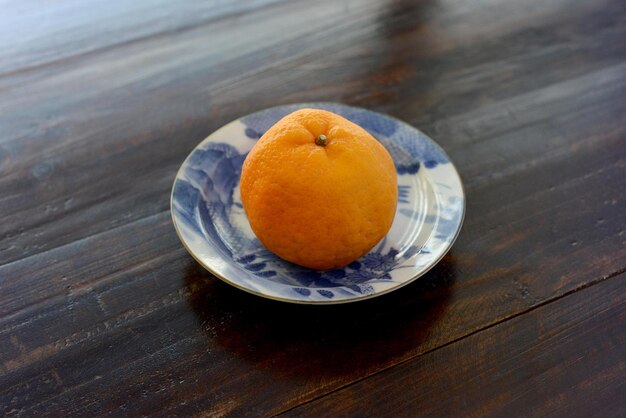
[210, 221]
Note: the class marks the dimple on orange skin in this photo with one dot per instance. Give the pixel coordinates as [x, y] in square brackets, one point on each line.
[319, 206]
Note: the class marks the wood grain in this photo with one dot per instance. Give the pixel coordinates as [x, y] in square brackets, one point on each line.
[103, 312]
[542, 363]
[65, 146]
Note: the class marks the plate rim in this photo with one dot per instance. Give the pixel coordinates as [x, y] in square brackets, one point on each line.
[425, 270]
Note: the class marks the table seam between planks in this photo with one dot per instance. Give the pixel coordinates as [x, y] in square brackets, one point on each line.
[551, 333]
[449, 343]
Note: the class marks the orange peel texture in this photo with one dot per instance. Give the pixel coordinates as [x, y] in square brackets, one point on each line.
[319, 190]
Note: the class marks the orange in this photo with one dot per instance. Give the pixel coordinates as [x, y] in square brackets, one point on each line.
[319, 190]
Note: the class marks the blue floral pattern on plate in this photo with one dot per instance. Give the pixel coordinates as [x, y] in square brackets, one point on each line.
[210, 221]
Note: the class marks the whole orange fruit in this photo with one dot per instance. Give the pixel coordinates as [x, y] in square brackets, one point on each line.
[319, 190]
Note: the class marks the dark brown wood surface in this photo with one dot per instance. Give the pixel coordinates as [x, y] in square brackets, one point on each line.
[102, 311]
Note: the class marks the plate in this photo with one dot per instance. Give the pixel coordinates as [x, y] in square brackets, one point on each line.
[212, 225]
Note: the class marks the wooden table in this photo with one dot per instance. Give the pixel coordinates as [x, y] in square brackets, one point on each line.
[102, 311]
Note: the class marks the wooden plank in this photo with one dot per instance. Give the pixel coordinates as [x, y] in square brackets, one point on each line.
[135, 305]
[84, 150]
[101, 309]
[566, 359]
[512, 183]
[40, 33]
[63, 155]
